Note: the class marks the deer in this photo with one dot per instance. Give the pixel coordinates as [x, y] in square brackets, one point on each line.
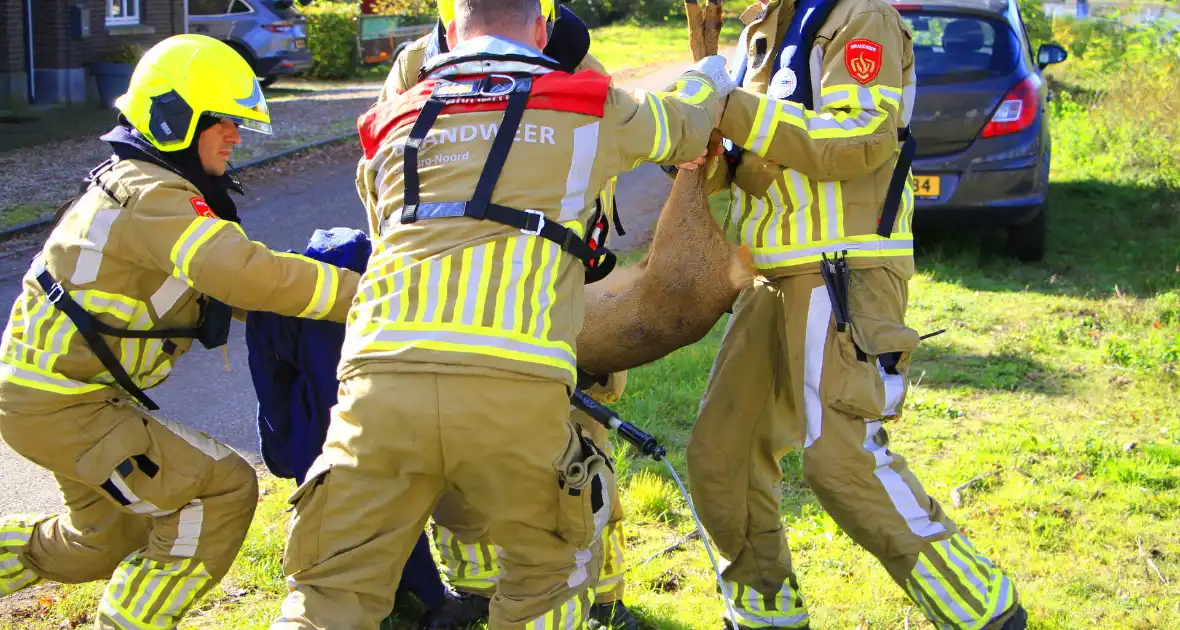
[691, 274]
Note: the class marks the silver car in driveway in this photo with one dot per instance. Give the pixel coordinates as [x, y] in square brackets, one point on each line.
[270, 34]
[980, 118]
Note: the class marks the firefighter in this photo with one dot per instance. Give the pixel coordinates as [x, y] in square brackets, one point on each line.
[816, 353]
[467, 553]
[472, 302]
[148, 258]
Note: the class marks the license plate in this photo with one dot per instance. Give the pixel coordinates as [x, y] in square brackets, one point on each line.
[927, 186]
[299, 43]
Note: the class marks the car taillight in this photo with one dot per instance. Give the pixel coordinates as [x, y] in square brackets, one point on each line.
[1016, 112]
[279, 27]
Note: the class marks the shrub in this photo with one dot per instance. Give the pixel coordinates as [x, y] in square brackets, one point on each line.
[1117, 116]
[412, 8]
[595, 12]
[331, 36]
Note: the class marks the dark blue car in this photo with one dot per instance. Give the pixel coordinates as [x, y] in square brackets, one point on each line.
[270, 34]
[980, 118]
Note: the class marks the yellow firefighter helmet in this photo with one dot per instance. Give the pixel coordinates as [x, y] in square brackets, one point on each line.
[184, 77]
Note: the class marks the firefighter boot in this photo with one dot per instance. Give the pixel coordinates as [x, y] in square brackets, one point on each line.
[457, 611]
[611, 616]
[1018, 620]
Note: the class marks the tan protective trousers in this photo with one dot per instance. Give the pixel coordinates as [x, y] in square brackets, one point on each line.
[469, 558]
[158, 508]
[785, 375]
[396, 443]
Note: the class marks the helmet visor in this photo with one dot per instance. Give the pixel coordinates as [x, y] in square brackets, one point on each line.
[253, 104]
[246, 123]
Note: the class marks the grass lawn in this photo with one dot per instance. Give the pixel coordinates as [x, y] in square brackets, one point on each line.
[24, 213]
[623, 47]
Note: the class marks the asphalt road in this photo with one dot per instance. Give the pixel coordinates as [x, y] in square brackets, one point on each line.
[281, 212]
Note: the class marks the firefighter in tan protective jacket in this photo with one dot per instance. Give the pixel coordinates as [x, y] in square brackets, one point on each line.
[467, 553]
[149, 258]
[479, 182]
[816, 354]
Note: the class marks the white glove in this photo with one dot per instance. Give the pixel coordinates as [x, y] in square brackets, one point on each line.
[714, 68]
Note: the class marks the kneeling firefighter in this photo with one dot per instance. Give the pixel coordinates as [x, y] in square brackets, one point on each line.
[466, 549]
[816, 353]
[148, 258]
[472, 303]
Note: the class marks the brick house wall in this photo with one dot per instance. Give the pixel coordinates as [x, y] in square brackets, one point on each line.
[13, 78]
[61, 58]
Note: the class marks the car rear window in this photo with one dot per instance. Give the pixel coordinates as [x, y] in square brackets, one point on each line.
[285, 9]
[950, 48]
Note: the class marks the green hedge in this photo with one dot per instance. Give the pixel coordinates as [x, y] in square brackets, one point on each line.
[331, 36]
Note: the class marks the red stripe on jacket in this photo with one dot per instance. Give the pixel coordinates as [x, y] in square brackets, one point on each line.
[584, 92]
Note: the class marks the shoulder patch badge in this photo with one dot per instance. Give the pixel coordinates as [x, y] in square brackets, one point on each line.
[202, 209]
[862, 57]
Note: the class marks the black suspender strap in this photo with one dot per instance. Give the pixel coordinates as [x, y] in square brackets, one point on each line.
[901, 173]
[90, 328]
[501, 145]
[480, 205]
[426, 118]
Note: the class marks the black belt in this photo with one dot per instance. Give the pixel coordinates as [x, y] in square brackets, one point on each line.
[901, 173]
[480, 206]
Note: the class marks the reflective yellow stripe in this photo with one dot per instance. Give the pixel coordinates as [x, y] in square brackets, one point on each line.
[508, 262]
[550, 289]
[839, 194]
[569, 615]
[846, 112]
[505, 344]
[423, 289]
[465, 297]
[939, 591]
[539, 287]
[61, 332]
[443, 302]
[323, 295]
[799, 188]
[443, 283]
[661, 146]
[17, 530]
[763, 128]
[485, 277]
[860, 246]
[472, 567]
[147, 594]
[194, 236]
[35, 378]
[944, 595]
[690, 91]
[520, 295]
[97, 302]
[753, 612]
[906, 225]
[613, 556]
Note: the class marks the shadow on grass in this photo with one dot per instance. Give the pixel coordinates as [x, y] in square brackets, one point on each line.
[948, 368]
[1101, 236]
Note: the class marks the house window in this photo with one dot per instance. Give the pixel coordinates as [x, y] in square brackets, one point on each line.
[122, 12]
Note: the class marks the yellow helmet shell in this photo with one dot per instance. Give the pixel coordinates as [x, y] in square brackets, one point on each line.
[446, 10]
[184, 77]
